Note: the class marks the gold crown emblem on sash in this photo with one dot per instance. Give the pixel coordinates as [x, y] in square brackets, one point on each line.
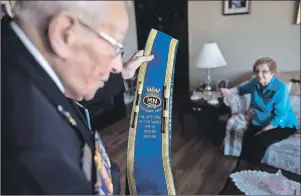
[152, 98]
[153, 90]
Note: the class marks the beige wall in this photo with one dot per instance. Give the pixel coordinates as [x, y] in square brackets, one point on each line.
[267, 31]
[130, 41]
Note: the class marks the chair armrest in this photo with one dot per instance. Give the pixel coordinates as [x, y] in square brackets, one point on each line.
[237, 122]
[237, 104]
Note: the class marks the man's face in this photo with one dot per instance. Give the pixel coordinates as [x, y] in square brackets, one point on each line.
[90, 58]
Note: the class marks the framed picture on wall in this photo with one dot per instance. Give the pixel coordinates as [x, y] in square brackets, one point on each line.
[221, 84]
[3, 9]
[233, 7]
[6, 8]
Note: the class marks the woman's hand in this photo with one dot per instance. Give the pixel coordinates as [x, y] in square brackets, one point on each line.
[227, 91]
[267, 128]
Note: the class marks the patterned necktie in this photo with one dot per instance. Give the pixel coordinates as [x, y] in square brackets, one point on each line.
[103, 185]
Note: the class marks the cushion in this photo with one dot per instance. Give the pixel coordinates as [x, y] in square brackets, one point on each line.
[286, 77]
[295, 102]
[299, 122]
[285, 154]
[295, 88]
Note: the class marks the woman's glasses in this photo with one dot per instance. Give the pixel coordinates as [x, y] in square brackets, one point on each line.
[264, 72]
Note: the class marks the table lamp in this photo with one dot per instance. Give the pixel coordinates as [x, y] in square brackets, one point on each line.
[210, 57]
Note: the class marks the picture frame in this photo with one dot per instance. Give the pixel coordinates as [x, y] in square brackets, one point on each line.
[3, 10]
[6, 8]
[221, 84]
[236, 7]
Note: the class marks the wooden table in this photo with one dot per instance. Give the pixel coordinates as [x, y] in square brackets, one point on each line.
[231, 189]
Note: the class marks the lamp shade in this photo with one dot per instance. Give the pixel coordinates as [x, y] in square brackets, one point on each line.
[210, 56]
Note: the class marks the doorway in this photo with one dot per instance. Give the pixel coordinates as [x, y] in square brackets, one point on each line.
[170, 17]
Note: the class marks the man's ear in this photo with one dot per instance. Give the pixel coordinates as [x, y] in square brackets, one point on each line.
[61, 33]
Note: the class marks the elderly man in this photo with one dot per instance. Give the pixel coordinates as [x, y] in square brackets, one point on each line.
[54, 53]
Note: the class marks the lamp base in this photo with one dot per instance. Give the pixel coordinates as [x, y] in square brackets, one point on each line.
[208, 88]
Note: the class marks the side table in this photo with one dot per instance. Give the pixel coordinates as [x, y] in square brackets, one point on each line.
[202, 111]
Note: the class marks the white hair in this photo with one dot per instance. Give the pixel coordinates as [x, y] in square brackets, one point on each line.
[38, 12]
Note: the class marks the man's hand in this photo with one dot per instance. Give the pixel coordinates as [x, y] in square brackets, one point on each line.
[130, 67]
[267, 128]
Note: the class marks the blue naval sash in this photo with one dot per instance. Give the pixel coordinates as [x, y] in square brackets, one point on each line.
[149, 144]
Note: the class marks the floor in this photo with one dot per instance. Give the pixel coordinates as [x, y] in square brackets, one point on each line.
[198, 166]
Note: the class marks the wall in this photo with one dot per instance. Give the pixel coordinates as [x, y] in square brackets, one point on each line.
[267, 31]
[130, 44]
[130, 40]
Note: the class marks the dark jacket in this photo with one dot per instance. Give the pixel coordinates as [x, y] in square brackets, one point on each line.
[41, 150]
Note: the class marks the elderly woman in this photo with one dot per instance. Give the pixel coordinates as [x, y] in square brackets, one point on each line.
[272, 116]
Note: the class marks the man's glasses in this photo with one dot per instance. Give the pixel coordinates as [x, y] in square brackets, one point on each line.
[118, 47]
